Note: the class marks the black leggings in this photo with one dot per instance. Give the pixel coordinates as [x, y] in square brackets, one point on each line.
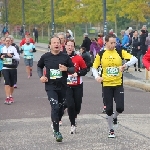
[116, 93]
[9, 76]
[74, 99]
[56, 98]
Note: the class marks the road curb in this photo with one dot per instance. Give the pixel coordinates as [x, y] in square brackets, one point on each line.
[138, 84]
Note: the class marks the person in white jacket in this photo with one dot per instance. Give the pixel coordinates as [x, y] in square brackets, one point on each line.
[9, 57]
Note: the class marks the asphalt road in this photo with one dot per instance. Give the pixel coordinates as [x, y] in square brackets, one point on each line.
[26, 123]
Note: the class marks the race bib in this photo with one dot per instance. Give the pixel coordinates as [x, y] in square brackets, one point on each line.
[112, 71]
[72, 80]
[55, 73]
[7, 61]
[28, 57]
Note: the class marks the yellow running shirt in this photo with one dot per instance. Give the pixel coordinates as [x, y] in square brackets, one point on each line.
[110, 63]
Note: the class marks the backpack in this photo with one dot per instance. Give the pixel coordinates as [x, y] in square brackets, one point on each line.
[119, 51]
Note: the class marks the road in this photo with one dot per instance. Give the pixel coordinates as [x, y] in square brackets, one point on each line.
[26, 123]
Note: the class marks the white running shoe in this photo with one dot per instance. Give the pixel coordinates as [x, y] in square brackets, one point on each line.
[111, 134]
[73, 129]
[60, 123]
[52, 127]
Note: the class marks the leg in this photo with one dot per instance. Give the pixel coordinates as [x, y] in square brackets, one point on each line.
[108, 95]
[15, 77]
[70, 105]
[77, 95]
[53, 98]
[6, 76]
[119, 99]
[31, 65]
[27, 63]
[61, 100]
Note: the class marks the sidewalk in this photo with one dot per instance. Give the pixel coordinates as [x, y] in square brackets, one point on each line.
[132, 78]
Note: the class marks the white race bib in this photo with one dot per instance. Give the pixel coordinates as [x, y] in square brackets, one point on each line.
[72, 80]
[55, 73]
[7, 61]
[112, 71]
[28, 57]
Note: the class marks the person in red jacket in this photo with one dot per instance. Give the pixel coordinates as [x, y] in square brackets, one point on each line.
[74, 92]
[146, 59]
[27, 35]
[100, 40]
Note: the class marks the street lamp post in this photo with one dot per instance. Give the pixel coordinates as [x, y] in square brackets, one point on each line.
[6, 15]
[52, 17]
[104, 18]
[23, 18]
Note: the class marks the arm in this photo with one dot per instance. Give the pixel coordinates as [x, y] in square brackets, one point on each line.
[146, 60]
[16, 55]
[70, 66]
[83, 70]
[96, 64]
[132, 58]
[84, 43]
[40, 66]
[22, 42]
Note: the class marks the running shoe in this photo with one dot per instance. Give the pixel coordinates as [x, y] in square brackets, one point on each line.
[11, 100]
[7, 101]
[60, 123]
[58, 136]
[15, 86]
[104, 110]
[111, 134]
[73, 129]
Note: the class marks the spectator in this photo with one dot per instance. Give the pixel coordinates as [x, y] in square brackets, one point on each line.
[100, 40]
[147, 42]
[86, 42]
[36, 34]
[86, 58]
[125, 39]
[94, 47]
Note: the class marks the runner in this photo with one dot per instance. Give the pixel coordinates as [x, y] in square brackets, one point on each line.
[28, 49]
[112, 67]
[23, 41]
[58, 65]
[75, 85]
[10, 57]
[17, 48]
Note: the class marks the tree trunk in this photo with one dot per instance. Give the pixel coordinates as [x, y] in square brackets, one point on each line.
[115, 24]
[42, 31]
[48, 31]
[74, 32]
[86, 28]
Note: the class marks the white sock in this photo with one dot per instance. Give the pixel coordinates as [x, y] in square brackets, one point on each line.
[115, 114]
[110, 122]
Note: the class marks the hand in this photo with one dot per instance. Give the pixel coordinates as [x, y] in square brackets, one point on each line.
[138, 47]
[31, 51]
[122, 68]
[99, 79]
[3, 56]
[75, 74]
[8, 54]
[44, 79]
[62, 67]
